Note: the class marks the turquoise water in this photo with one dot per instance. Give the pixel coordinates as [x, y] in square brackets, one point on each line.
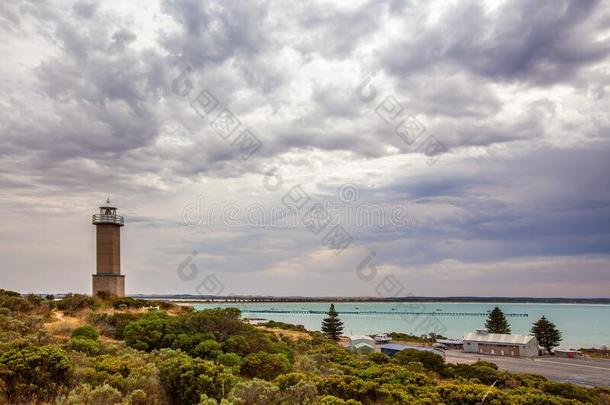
[582, 325]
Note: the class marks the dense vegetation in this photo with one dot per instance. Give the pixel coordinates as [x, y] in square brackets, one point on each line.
[83, 350]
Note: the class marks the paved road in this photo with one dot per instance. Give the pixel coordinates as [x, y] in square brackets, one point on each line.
[583, 371]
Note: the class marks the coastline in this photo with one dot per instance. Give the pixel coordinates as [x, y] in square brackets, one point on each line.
[582, 325]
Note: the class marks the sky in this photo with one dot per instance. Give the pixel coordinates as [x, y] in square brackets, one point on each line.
[361, 148]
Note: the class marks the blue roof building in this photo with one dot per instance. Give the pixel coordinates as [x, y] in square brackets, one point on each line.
[392, 348]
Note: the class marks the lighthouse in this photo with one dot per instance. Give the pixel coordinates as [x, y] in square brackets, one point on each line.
[108, 279]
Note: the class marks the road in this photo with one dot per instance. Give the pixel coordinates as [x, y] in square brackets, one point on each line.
[582, 371]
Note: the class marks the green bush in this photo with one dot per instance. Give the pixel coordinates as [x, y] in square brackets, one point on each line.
[208, 349]
[331, 400]
[483, 372]
[128, 302]
[378, 357]
[264, 365]
[150, 332]
[285, 326]
[86, 332]
[566, 390]
[229, 359]
[84, 345]
[113, 325]
[33, 373]
[194, 358]
[73, 303]
[185, 379]
[429, 360]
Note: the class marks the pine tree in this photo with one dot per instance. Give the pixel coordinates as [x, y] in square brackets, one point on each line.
[496, 322]
[546, 333]
[332, 325]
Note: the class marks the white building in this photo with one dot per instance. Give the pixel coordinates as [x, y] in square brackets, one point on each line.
[361, 343]
[500, 344]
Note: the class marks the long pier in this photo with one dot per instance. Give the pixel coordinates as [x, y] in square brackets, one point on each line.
[439, 313]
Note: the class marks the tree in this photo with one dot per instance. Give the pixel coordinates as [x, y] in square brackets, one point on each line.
[332, 325]
[496, 322]
[546, 333]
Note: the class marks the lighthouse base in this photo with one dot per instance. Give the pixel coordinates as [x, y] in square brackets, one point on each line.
[112, 285]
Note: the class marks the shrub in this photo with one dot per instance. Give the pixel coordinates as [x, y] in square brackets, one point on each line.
[566, 390]
[471, 394]
[429, 360]
[254, 392]
[208, 349]
[33, 373]
[483, 372]
[237, 344]
[265, 365]
[128, 302]
[113, 325]
[379, 358]
[284, 325]
[149, 332]
[332, 400]
[85, 394]
[185, 378]
[73, 303]
[84, 345]
[229, 359]
[86, 332]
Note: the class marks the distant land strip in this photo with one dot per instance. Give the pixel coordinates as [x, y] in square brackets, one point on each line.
[187, 298]
[462, 299]
[436, 313]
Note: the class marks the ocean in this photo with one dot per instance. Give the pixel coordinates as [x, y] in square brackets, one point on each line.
[582, 325]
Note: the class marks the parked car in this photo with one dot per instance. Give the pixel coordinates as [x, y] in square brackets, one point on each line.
[382, 338]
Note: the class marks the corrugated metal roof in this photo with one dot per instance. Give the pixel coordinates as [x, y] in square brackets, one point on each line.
[364, 344]
[361, 337]
[395, 346]
[449, 341]
[498, 338]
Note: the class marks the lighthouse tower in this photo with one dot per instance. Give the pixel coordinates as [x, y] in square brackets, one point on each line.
[108, 279]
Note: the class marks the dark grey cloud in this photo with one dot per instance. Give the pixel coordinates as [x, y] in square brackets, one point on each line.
[211, 33]
[536, 42]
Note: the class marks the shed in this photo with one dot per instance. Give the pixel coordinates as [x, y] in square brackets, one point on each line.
[500, 344]
[569, 353]
[361, 343]
[392, 348]
[451, 343]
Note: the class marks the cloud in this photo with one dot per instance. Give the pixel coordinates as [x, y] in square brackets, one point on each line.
[535, 42]
[514, 92]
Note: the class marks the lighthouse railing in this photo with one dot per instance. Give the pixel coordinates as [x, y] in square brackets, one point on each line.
[108, 219]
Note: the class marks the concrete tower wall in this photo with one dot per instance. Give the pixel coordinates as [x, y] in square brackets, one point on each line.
[108, 278]
[108, 249]
[114, 285]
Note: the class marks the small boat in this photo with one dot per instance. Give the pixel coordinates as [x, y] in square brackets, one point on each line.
[382, 338]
